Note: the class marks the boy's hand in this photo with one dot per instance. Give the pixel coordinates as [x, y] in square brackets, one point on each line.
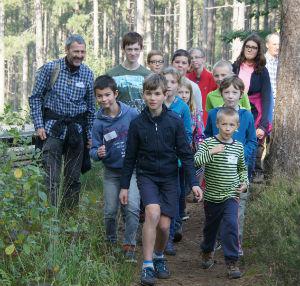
[260, 133]
[101, 151]
[123, 196]
[197, 193]
[242, 188]
[217, 149]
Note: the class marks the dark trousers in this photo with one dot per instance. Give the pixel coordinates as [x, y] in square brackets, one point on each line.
[54, 154]
[227, 212]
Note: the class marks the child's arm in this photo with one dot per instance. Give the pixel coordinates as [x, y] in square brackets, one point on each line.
[130, 156]
[205, 155]
[208, 104]
[208, 132]
[251, 141]
[186, 116]
[242, 172]
[97, 141]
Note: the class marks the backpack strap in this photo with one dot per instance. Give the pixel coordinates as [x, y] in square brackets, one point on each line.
[54, 76]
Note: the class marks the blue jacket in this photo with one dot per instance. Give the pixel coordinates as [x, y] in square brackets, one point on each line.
[112, 132]
[154, 145]
[183, 110]
[246, 132]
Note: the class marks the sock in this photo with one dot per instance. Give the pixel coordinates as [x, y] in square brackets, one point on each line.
[158, 254]
[147, 263]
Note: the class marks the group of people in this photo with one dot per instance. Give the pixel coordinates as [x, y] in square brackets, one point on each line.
[159, 132]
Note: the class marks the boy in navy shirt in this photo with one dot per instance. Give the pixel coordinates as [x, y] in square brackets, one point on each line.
[156, 139]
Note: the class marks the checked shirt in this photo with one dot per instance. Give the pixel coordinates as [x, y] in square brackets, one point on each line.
[71, 95]
[271, 65]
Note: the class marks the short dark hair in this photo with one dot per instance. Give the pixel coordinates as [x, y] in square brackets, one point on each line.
[154, 81]
[131, 38]
[182, 53]
[105, 81]
[227, 111]
[154, 53]
[232, 80]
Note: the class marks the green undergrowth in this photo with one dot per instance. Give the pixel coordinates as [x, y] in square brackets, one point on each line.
[40, 246]
[273, 231]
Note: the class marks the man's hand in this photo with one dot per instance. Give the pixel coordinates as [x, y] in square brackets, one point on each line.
[41, 133]
[123, 196]
[198, 193]
[260, 133]
[242, 188]
[217, 149]
[101, 151]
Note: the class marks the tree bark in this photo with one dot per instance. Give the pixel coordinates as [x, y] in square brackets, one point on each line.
[139, 22]
[285, 137]
[95, 28]
[38, 33]
[148, 34]
[2, 73]
[210, 32]
[166, 42]
[182, 37]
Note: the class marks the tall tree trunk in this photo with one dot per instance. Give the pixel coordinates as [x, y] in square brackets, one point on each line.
[210, 32]
[96, 28]
[238, 23]
[148, 34]
[266, 16]
[204, 25]
[2, 72]
[39, 33]
[139, 22]
[190, 42]
[182, 37]
[45, 34]
[166, 43]
[285, 137]
[172, 30]
[257, 17]
[104, 35]
[25, 79]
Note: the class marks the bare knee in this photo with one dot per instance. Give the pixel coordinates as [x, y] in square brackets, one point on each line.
[152, 214]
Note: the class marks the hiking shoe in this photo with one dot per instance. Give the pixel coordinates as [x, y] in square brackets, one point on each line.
[148, 276]
[161, 269]
[207, 260]
[178, 234]
[218, 245]
[185, 217]
[129, 253]
[170, 250]
[233, 270]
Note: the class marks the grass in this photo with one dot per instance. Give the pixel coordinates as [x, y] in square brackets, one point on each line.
[70, 250]
[273, 231]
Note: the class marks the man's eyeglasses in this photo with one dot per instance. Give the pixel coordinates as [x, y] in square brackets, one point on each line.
[197, 57]
[156, 62]
[251, 48]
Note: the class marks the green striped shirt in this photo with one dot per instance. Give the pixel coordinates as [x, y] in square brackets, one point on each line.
[224, 172]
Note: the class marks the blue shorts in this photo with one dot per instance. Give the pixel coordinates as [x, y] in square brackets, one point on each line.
[163, 193]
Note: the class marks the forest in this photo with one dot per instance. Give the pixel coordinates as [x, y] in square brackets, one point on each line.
[33, 32]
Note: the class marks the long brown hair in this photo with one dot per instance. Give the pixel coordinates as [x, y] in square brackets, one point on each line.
[260, 60]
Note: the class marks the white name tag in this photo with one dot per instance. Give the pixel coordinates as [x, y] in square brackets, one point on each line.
[79, 84]
[232, 159]
[111, 135]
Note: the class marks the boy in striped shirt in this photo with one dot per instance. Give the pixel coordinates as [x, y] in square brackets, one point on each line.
[226, 177]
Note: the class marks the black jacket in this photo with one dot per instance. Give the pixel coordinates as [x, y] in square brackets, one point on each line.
[154, 145]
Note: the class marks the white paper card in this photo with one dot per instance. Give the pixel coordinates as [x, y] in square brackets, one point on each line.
[111, 135]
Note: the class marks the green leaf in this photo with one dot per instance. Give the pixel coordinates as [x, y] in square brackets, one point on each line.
[9, 250]
[26, 248]
[42, 196]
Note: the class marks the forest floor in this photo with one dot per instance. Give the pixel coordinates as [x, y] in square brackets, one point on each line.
[186, 268]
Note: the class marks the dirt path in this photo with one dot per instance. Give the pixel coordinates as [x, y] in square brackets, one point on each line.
[185, 266]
